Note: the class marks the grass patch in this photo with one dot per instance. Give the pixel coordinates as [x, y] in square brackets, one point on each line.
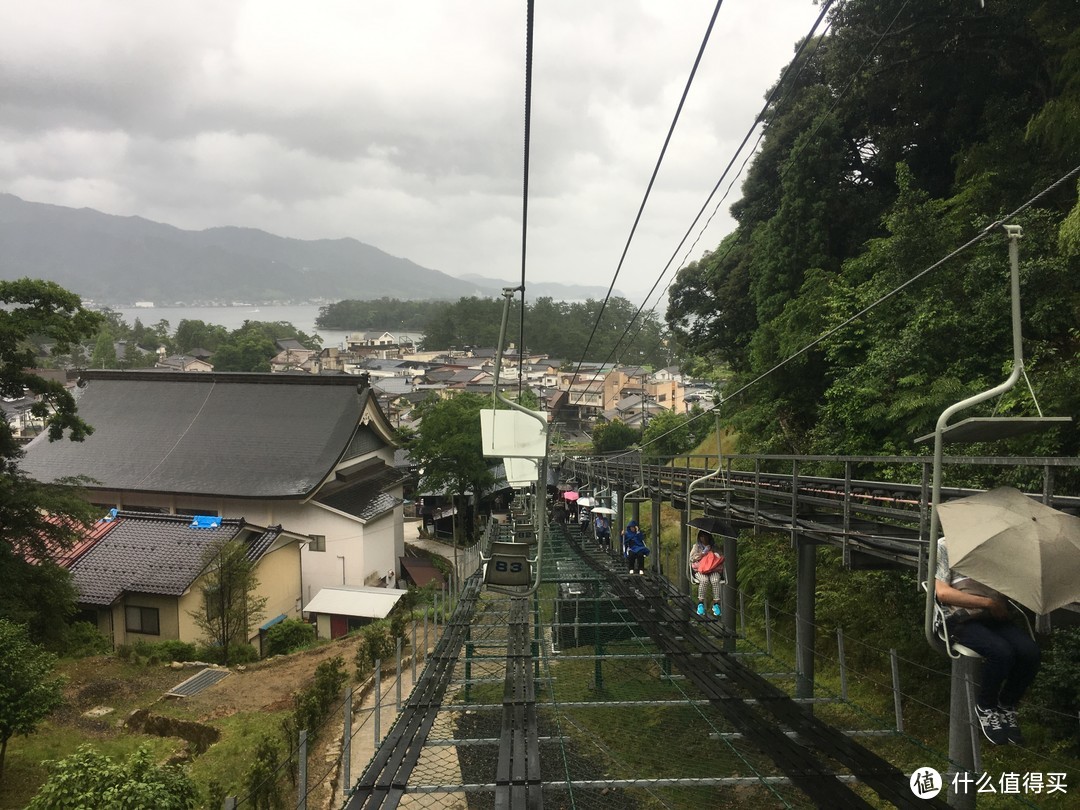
[227, 762]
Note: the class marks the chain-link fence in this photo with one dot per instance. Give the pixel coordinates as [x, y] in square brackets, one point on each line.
[606, 690]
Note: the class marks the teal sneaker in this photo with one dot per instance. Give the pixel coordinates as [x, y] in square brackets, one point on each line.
[716, 609]
[701, 609]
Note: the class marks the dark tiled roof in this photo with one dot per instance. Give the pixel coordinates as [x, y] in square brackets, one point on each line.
[154, 554]
[367, 498]
[231, 435]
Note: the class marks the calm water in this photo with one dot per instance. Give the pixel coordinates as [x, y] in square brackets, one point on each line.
[302, 316]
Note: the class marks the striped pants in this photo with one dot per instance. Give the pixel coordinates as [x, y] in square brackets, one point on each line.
[714, 580]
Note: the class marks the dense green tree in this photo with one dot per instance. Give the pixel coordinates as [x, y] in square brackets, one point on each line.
[448, 448]
[37, 519]
[468, 322]
[90, 779]
[904, 132]
[28, 688]
[196, 334]
[613, 436]
[104, 355]
[242, 351]
[529, 399]
[666, 435]
[231, 605]
[39, 595]
[384, 313]
[252, 346]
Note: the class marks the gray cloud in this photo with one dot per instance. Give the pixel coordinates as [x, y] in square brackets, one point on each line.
[397, 123]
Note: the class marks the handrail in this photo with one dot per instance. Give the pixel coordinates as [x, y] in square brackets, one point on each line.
[641, 479]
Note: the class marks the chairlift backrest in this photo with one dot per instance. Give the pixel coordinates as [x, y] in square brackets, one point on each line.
[513, 433]
[521, 472]
[508, 564]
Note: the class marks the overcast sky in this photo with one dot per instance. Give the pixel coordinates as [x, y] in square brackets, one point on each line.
[396, 122]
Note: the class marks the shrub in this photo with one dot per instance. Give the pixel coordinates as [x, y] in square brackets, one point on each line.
[90, 779]
[83, 639]
[243, 654]
[376, 644]
[176, 650]
[210, 653]
[264, 777]
[399, 624]
[313, 706]
[330, 678]
[289, 636]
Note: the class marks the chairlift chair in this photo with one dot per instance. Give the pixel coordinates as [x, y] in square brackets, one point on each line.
[980, 429]
[964, 742]
[513, 567]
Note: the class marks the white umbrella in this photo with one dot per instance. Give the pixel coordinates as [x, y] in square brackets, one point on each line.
[585, 501]
[603, 510]
[1016, 545]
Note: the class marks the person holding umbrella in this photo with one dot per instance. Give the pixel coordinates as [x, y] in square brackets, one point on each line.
[602, 529]
[707, 565]
[977, 616]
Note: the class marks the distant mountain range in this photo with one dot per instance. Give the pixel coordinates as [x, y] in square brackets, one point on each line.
[113, 259]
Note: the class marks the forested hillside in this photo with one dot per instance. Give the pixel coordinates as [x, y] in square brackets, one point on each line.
[560, 329]
[899, 136]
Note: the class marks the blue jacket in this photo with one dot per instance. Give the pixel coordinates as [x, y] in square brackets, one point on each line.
[634, 541]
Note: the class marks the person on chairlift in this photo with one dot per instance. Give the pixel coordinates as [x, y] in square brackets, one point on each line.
[707, 565]
[602, 531]
[978, 617]
[634, 547]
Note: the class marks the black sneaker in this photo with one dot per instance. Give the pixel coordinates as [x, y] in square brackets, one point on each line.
[1010, 721]
[992, 726]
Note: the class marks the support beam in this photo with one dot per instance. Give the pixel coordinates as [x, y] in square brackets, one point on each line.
[731, 589]
[655, 531]
[684, 555]
[962, 735]
[806, 588]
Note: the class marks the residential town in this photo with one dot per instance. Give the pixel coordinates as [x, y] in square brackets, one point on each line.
[300, 464]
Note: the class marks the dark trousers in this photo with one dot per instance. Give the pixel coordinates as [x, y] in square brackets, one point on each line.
[637, 561]
[1011, 659]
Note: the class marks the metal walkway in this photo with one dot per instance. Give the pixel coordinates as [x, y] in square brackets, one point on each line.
[605, 690]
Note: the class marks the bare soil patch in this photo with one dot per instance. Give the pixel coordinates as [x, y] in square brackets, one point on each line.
[262, 686]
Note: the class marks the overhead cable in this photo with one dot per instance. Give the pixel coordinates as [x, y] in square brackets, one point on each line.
[652, 180]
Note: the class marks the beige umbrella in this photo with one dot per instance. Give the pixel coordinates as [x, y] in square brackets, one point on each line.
[1016, 545]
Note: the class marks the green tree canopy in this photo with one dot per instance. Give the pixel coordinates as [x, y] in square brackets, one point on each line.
[870, 171]
[448, 445]
[37, 519]
[231, 606]
[613, 436]
[28, 688]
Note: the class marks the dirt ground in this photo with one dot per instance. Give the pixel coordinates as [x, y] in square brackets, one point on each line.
[266, 685]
